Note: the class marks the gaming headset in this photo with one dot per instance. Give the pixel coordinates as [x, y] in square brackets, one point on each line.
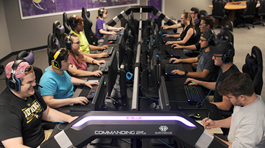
[73, 24]
[211, 41]
[13, 82]
[68, 42]
[55, 62]
[101, 12]
[227, 56]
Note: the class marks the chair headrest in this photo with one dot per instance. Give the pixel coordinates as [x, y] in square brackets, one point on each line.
[27, 56]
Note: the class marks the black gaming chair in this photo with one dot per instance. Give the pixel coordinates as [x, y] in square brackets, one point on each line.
[65, 23]
[254, 67]
[261, 12]
[218, 11]
[225, 35]
[29, 57]
[248, 13]
[52, 43]
[203, 13]
[90, 35]
[229, 25]
[59, 32]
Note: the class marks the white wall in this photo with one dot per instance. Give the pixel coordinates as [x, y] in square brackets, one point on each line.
[5, 47]
[174, 8]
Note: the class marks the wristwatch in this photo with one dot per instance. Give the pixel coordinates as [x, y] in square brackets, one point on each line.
[186, 72]
[83, 84]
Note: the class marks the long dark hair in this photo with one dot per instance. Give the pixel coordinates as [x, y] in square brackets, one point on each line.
[187, 15]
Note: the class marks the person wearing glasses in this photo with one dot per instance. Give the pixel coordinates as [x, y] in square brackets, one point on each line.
[78, 61]
[187, 36]
[77, 25]
[101, 27]
[247, 123]
[223, 55]
[205, 69]
[206, 23]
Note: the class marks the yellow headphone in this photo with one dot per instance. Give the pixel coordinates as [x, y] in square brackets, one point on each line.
[56, 64]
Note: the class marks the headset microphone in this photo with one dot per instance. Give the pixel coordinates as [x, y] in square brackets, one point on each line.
[39, 85]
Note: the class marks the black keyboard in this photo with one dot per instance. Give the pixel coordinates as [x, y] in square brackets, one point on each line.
[193, 94]
[104, 67]
[92, 92]
[173, 52]
[165, 39]
[112, 37]
[170, 67]
[108, 50]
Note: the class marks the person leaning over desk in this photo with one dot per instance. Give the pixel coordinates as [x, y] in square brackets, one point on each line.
[187, 36]
[205, 68]
[22, 109]
[78, 66]
[247, 123]
[223, 55]
[57, 84]
[77, 25]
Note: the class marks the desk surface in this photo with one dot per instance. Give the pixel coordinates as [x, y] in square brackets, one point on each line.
[239, 5]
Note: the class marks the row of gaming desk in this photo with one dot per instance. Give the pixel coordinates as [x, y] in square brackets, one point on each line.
[138, 120]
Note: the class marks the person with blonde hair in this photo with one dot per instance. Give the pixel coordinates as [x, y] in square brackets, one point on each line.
[187, 36]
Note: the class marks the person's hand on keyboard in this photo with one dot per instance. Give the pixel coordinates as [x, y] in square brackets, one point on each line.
[104, 47]
[177, 46]
[89, 84]
[80, 100]
[98, 62]
[168, 43]
[174, 60]
[103, 55]
[194, 81]
[113, 33]
[97, 73]
[165, 27]
[178, 72]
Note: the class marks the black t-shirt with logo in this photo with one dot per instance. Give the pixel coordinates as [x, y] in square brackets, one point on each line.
[21, 118]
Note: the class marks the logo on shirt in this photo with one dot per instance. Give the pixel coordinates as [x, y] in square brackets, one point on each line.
[32, 111]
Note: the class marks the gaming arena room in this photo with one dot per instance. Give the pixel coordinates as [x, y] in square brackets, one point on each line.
[132, 73]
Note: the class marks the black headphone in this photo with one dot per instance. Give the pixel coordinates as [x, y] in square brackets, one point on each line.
[56, 63]
[211, 41]
[227, 56]
[13, 82]
[68, 42]
[73, 24]
[101, 12]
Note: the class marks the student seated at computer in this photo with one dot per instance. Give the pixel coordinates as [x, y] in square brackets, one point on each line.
[77, 25]
[205, 67]
[206, 23]
[101, 27]
[195, 14]
[187, 36]
[247, 123]
[78, 61]
[223, 55]
[57, 84]
[22, 109]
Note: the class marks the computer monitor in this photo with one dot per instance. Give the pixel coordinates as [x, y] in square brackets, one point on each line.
[122, 44]
[163, 96]
[112, 73]
[100, 95]
[154, 73]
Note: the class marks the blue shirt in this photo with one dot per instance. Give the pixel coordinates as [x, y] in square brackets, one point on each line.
[54, 84]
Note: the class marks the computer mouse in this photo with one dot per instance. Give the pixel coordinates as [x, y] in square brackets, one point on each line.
[194, 116]
[110, 42]
[189, 82]
[173, 61]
